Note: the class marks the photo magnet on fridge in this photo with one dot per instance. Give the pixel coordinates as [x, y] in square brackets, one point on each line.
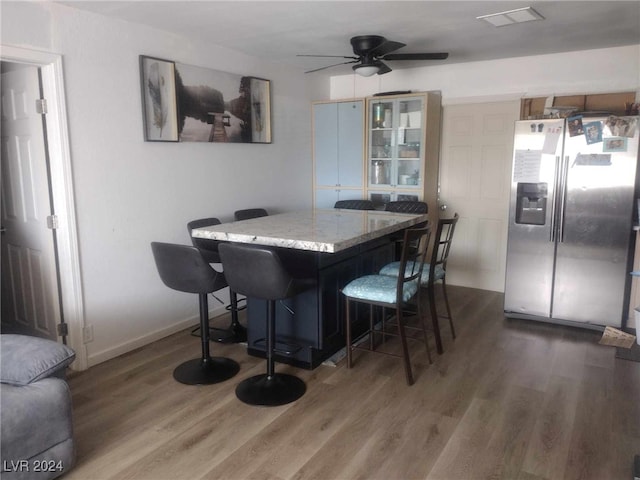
[622, 126]
[575, 126]
[593, 132]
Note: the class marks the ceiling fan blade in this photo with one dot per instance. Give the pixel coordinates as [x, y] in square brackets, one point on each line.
[383, 67]
[386, 47]
[329, 66]
[416, 56]
[329, 56]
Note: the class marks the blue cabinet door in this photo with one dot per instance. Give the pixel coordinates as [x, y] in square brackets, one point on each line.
[338, 143]
[350, 144]
[325, 145]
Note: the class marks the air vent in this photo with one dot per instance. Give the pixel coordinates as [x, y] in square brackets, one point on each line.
[519, 15]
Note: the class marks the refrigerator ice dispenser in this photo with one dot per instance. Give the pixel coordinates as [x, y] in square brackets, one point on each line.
[531, 203]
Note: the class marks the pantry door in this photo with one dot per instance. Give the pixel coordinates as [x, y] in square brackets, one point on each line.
[475, 179]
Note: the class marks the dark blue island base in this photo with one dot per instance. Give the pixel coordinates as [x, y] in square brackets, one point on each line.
[310, 326]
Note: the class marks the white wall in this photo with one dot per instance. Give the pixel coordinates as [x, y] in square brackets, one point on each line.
[130, 192]
[593, 71]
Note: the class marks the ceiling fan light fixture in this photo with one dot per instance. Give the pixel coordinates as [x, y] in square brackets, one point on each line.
[366, 70]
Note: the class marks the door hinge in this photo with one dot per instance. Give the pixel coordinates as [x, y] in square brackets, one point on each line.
[41, 106]
[63, 330]
[52, 222]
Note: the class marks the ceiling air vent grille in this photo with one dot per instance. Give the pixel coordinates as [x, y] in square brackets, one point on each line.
[519, 15]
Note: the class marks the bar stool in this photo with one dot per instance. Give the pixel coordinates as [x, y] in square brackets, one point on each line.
[405, 206]
[434, 272]
[182, 268]
[236, 332]
[258, 272]
[393, 293]
[248, 213]
[355, 204]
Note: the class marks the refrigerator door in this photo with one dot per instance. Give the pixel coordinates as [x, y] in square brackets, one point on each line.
[530, 250]
[595, 228]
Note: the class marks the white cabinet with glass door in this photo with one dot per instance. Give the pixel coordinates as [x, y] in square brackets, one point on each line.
[338, 151]
[403, 135]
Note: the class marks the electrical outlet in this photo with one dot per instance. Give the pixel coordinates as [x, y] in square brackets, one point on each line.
[87, 334]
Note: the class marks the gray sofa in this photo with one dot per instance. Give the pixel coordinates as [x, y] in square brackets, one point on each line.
[35, 408]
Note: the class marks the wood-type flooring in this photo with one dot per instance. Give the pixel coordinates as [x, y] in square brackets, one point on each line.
[508, 399]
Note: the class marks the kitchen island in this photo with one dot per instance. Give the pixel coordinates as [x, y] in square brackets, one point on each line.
[333, 246]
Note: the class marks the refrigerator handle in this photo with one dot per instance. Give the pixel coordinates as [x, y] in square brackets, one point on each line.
[563, 195]
[556, 196]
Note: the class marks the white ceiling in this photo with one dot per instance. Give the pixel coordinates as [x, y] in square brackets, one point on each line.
[278, 30]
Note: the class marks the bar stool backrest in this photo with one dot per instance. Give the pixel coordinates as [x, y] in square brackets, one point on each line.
[355, 204]
[442, 245]
[404, 206]
[182, 268]
[208, 247]
[257, 272]
[248, 213]
[414, 252]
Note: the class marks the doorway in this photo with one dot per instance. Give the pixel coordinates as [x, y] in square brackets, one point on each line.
[70, 300]
[30, 294]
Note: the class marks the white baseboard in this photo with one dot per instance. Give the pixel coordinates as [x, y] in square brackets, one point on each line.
[115, 351]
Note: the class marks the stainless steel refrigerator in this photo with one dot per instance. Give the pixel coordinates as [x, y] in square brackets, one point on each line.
[571, 220]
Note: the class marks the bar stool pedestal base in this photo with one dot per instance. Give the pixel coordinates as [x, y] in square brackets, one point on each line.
[206, 372]
[279, 389]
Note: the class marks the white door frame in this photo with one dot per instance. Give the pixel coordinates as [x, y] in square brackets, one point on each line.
[62, 191]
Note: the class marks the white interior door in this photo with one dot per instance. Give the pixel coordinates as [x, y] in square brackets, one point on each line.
[30, 300]
[475, 173]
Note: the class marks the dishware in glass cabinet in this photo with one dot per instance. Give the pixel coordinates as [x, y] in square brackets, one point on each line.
[380, 172]
[382, 115]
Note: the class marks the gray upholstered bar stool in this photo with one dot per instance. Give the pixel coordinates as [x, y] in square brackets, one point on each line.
[406, 206]
[248, 213]
[355, 204]
[258, 272]
[182, 268]
[236, 332]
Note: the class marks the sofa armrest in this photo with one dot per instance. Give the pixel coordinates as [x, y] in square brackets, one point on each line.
[25, 359]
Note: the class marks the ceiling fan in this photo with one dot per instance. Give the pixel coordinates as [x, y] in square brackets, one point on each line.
[370, 50]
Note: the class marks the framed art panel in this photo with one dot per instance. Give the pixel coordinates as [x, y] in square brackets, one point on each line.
[260, 110]
[159, 105]
[221, 107]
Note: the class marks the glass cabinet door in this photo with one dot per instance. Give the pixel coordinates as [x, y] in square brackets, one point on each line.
[409, 162]
[381, 143]
[395, 143]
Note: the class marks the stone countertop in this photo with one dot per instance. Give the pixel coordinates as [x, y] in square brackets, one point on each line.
[329, 231]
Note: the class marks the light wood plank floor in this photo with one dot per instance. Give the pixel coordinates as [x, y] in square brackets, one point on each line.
[507, 399]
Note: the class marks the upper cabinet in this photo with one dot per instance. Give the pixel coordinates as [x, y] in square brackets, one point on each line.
[383, 148]
[403, 141]
[338, 151]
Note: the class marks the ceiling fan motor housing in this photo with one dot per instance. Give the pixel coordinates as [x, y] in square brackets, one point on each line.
[363, 44]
